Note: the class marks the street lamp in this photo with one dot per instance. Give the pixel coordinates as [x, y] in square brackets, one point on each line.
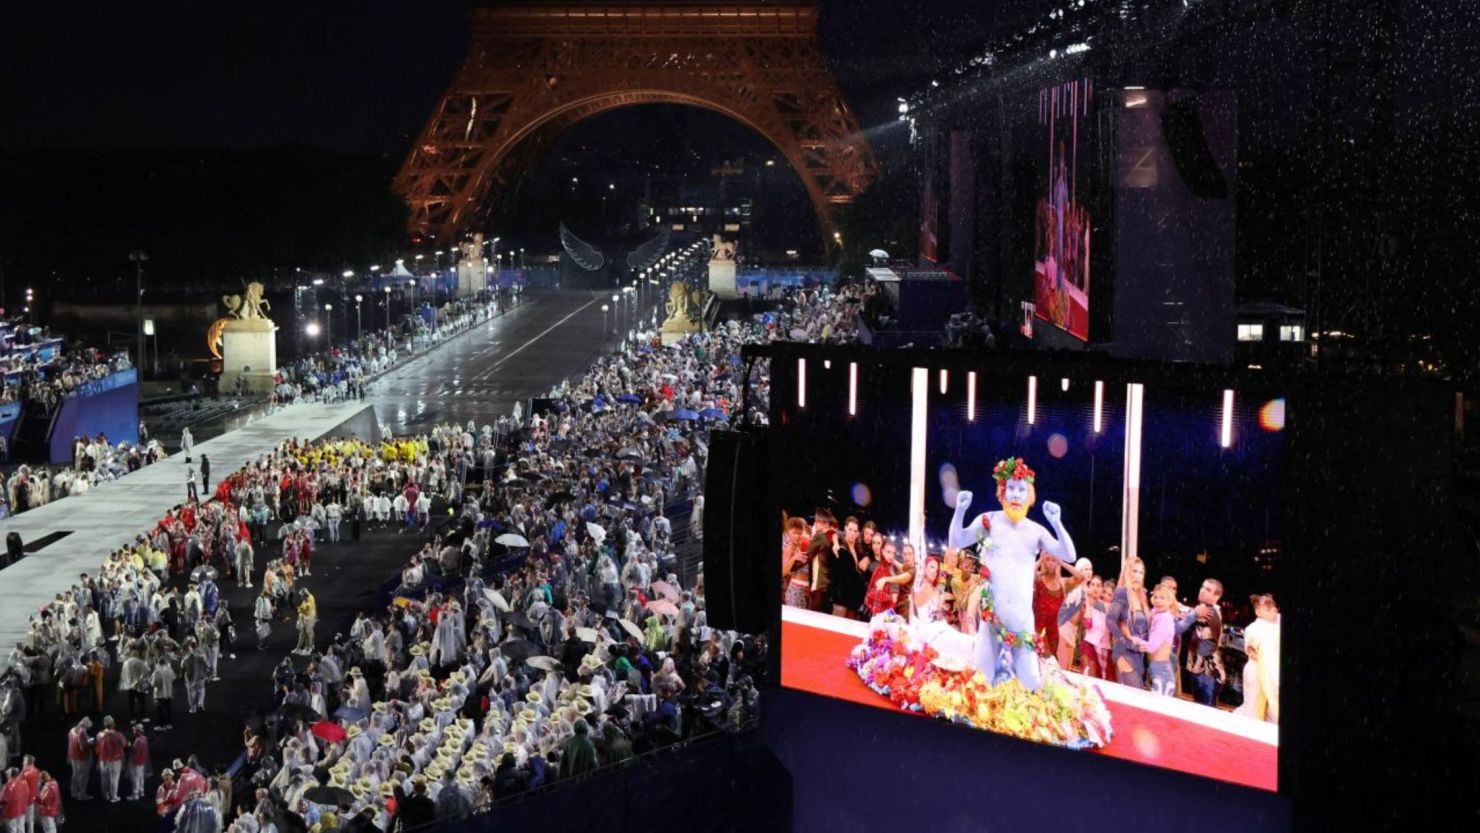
[359, 299]
[312, 329]
[604, 330]
[138, 257]
[329, 323]
[387, 312]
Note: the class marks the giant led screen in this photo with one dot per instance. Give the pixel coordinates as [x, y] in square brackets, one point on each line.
[1061, 251]
[1084, 561]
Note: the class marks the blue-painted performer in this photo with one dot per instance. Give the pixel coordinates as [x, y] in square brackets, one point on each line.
[1009, 544]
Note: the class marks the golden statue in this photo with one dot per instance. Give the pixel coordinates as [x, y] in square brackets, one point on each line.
[249, 306]
[722, 249]
[684, 303]
[213, 336]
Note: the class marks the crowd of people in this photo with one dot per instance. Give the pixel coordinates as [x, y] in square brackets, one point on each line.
[540, 631]
[47, 382]
[95, 461]
[338, 374]
[1113, 627]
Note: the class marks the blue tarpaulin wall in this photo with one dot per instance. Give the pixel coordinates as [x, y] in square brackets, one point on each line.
[109, 405]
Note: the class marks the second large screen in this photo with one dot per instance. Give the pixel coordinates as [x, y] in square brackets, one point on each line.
[1061, 279]
[1064, 559]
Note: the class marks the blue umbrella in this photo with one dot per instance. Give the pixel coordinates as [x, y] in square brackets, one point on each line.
[629, 397]
[713, 413]
[350, 714]
[685, 414]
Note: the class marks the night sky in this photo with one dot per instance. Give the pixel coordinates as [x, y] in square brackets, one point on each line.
[354, 76]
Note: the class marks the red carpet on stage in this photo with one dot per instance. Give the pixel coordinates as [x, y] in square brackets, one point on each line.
[814, 660]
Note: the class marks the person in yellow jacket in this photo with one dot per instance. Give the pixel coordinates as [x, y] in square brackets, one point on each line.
[308, 616]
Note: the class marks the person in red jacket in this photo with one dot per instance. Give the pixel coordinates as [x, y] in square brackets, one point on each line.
[79, 757]
[188, 783]
[48, 806]
[110, 746]
[138, 762]
[31, 775]
[15, 801]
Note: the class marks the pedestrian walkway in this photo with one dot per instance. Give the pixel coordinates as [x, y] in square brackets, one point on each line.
[110, 515]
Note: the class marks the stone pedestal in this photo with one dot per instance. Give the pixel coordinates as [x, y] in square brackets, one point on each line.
[674, 329]
[722, 279]
[472, 276]
[249, 351]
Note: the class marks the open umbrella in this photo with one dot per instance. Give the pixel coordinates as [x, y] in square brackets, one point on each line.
[878, 253]
[685, 415]
[328, 731]
[499, 602]
[596, 531]
[204, 571]
[798, 334]
[543, 663]
[331, 796]
[588, 635]
[509, 539]
[519, 620]
[713, 413]
[349, 713]
[517, 650]
[631, 628]
[667, 591]
[663, 607]
[629, 454]
[629, 397]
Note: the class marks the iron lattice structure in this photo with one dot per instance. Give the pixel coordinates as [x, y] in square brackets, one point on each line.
[535, 69]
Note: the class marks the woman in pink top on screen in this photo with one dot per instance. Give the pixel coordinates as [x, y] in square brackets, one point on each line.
[1158, 646]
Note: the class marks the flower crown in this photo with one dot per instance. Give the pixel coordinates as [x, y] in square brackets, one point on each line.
[1013, 468]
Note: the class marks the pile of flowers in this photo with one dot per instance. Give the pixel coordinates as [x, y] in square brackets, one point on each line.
[915, 678]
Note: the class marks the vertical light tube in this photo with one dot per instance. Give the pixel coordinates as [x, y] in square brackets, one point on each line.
[852, 388]
[827, 364]
[919, 422]
[1225, 431]
[1099, 405]
[1130, 511]
[971, 396]
[944, 377]
[801, 383]
[1032, 399]
[1064, 384]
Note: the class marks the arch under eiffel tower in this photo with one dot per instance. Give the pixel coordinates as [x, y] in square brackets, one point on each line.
[536, 68]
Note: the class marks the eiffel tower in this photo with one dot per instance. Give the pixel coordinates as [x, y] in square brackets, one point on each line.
[535, 68]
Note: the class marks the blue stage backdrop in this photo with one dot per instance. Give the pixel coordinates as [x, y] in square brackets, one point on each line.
[109, 406]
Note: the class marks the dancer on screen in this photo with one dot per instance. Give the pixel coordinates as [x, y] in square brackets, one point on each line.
[1009, 544]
